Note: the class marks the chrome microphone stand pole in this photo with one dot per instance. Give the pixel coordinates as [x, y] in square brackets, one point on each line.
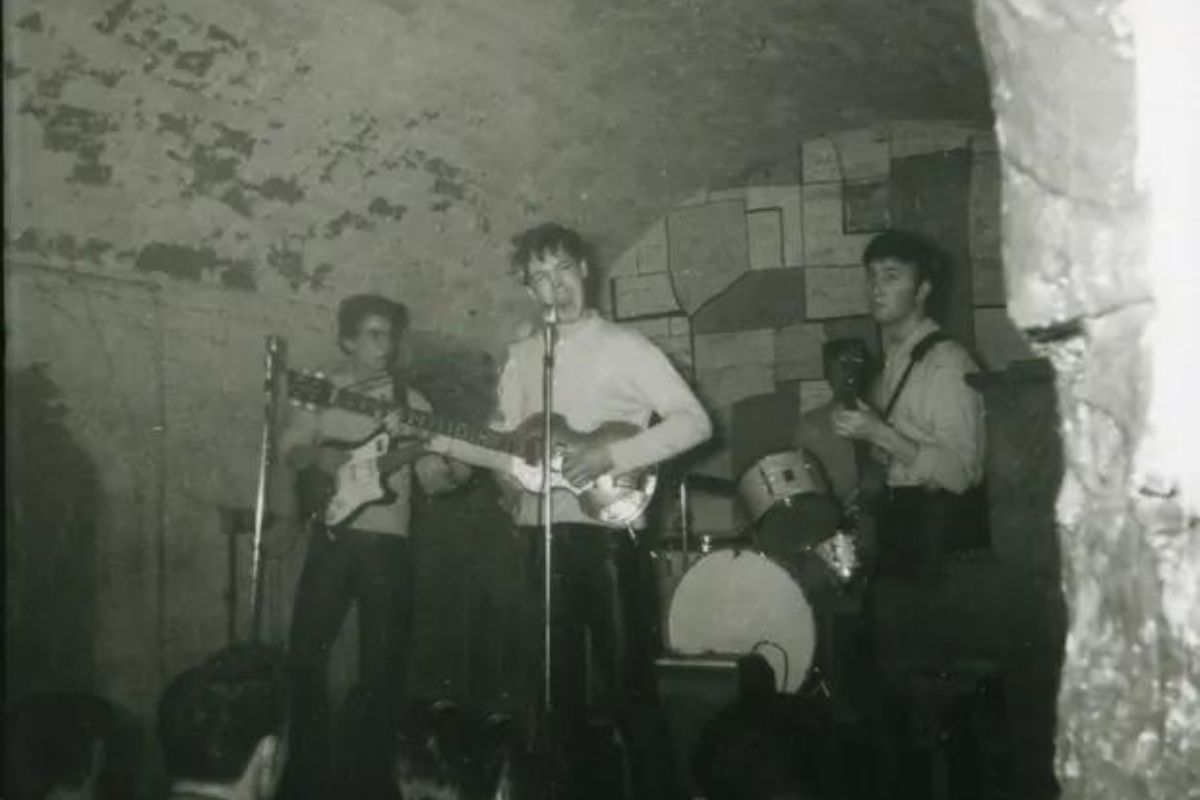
[276, 353]
[685, 523]
[550, 340]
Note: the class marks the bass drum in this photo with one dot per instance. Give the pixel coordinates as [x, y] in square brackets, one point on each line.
[734, 602]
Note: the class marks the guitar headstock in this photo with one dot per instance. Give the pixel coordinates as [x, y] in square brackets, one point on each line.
[310, 389]
[847, 362]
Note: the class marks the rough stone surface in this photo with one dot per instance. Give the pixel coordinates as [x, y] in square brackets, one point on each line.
[1076, 261]
[996, 339]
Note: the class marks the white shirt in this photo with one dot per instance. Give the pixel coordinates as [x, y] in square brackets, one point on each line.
[937, 410]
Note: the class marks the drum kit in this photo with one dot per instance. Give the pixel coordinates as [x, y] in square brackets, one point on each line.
[766, 589]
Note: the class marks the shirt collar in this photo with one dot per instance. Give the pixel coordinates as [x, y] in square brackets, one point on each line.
[902, 351]
[586, 322]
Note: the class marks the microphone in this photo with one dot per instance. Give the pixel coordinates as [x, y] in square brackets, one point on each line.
[549, 334]
[275, 355]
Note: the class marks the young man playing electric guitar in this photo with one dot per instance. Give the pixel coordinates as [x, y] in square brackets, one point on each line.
[924, 426]
[603, 374]
[366, 558]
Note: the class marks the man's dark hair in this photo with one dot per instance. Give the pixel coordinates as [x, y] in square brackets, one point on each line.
[50, 739]
[211, 717]
[354, 309]
[931, 262]
[445, 752]
[549, 237]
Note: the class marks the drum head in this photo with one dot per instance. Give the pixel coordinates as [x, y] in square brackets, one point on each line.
[743, 602]
[796, 525]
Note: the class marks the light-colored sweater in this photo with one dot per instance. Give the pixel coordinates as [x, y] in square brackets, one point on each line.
[603, 372]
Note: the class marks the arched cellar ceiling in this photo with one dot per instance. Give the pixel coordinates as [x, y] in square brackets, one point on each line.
[303, 118]
[616, 109]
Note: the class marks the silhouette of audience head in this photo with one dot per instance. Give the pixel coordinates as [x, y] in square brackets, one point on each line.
[58, 744]
[446, 753]
[222, 725]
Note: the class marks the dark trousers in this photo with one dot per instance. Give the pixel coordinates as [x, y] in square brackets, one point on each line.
[375, 571]
[599, 598]
[908, 609]
[904, 595]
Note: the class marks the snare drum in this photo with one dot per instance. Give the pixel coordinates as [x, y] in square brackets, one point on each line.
[789, 502]
[741, 601]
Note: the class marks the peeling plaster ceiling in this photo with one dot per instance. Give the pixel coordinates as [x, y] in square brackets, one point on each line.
[310, 145]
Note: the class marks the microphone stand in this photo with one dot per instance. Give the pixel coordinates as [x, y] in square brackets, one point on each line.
[550, 340]
[276, 352]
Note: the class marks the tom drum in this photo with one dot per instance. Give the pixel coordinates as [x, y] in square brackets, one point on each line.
[789, 503]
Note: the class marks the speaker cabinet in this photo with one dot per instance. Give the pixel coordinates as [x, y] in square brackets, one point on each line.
[693, 689]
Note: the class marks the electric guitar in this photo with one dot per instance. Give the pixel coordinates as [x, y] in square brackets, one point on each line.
[335, 494]
[848, 381]
[610, 499]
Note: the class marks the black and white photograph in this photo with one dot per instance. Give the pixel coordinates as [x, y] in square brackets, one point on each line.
[601, 400]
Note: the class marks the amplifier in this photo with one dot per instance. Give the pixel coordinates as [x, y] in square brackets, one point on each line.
[693, 689]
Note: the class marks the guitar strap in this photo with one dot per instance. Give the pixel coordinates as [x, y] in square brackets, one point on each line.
[872, 474]
[918, 352]
[399, 390]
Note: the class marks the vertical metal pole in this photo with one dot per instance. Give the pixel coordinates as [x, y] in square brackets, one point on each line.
[276, 351]
[550, 339]
[685, 524]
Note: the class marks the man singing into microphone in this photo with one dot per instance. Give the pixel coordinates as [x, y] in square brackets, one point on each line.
[602, 373]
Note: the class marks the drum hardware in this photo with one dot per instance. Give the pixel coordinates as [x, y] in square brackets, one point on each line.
[782, 679]
[840, 554]
[790, 505]
[779, 477]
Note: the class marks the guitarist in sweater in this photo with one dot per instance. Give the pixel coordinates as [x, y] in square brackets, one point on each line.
[604, 374]
[366, 559]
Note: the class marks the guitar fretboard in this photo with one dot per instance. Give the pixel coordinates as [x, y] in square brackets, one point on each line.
[423, 420]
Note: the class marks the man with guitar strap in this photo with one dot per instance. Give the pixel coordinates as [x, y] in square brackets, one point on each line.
[605, 374]
[927, 444]
[923, 480]
[365, 559]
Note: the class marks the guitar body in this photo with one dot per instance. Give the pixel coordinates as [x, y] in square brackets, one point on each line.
[335, 499]
[612, 499]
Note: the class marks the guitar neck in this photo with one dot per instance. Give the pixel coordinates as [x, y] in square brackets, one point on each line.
[481, 447]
